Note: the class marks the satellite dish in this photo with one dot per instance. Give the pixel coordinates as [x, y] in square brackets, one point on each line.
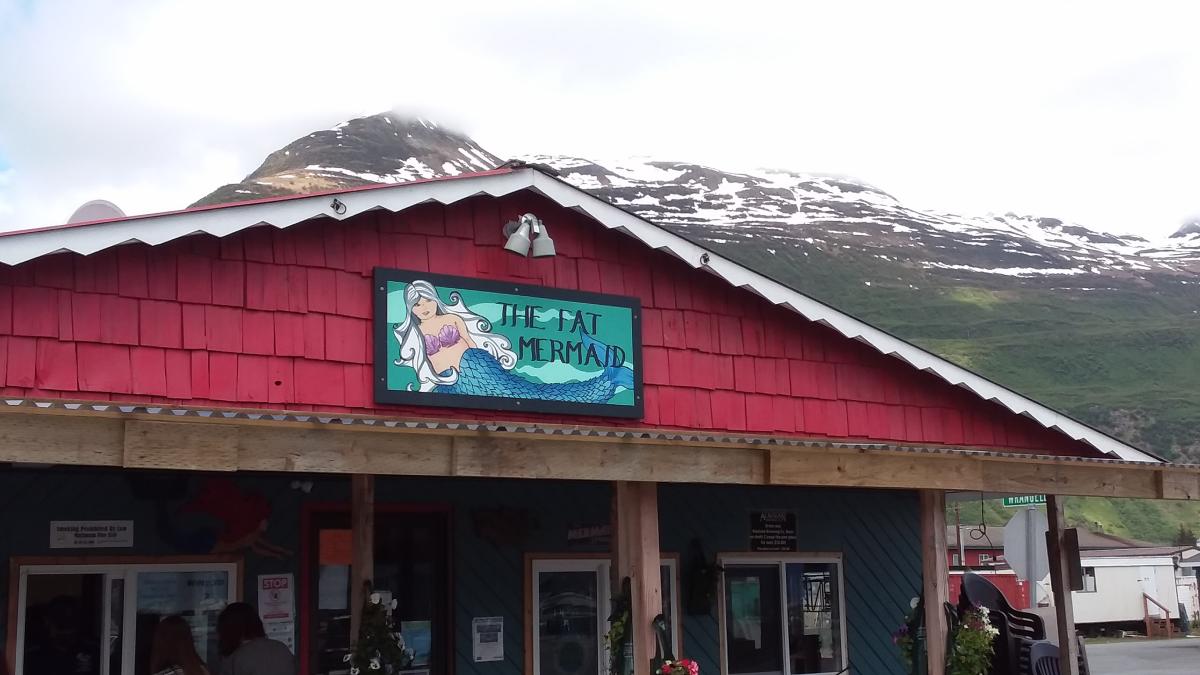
[97, 209]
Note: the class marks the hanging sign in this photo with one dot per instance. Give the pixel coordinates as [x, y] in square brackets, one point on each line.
[487, 638]
[773, 531]
[1024, 500]
[91, 534]
[471, 343]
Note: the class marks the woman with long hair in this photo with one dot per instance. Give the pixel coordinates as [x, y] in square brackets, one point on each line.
[454, 351]
[174, 651]
[245, 647]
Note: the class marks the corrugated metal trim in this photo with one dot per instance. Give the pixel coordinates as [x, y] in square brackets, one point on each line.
[527, 428]
[222, 221]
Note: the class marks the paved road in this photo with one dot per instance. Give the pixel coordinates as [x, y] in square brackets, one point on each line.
[1151, 657]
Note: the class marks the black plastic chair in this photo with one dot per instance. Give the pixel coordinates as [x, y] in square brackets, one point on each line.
[1017, 629]
[1044, 657]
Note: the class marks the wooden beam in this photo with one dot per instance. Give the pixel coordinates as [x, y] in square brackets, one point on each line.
[1060, 582]
[112, 438]
[362, 561]
[611, 459]
[81, 440]
[180, 445]
[637, 543]
[948, 471]
[935, 578]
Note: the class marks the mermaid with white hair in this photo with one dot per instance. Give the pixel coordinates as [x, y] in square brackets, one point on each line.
[454, 351]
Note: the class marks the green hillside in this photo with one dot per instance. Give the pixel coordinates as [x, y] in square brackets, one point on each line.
[1123, 356]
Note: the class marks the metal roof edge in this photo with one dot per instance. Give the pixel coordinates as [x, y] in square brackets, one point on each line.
[324, 418]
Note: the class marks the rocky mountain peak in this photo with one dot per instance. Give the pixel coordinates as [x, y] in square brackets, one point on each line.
[384, 148]
[1190, 228]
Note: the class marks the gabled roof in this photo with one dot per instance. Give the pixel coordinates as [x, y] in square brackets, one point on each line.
[283, 212]
[1139, 552]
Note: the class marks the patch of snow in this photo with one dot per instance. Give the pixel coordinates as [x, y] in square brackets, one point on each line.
[1006, 271]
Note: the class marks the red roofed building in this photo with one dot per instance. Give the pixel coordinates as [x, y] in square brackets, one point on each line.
[186, 393]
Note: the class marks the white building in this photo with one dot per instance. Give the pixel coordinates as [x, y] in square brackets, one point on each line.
[1124, 585]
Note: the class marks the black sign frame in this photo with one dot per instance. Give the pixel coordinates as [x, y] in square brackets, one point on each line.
[381, 329]
[762, 541]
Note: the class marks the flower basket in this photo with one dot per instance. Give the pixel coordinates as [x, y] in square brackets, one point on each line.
[679, 667]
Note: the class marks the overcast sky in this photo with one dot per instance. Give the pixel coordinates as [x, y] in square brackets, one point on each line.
[1083, 111]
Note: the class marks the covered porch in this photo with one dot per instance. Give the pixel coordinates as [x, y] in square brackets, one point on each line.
[470, 521]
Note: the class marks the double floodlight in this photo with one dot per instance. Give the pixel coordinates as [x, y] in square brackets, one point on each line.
[526, 233]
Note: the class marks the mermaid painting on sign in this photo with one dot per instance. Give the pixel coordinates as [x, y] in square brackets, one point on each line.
[454, 350]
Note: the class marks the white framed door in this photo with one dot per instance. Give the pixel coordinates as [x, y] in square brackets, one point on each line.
[782, 614]
[571, 599]
[94, 617]
[563, 612]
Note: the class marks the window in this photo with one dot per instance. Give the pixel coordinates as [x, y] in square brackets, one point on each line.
[411, 566]
[570, 601]
[1089, 580]
[100, 617]
[783, 615]
[985, 558]
[955, 560]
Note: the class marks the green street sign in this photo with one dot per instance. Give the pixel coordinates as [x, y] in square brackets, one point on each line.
[1024, 500]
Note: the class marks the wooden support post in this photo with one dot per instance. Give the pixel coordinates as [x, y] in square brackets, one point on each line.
[1060, 581]
[636, 555]
[935, 575]
[362, 560]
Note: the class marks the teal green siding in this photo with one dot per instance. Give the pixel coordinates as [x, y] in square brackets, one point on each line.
[876, 531]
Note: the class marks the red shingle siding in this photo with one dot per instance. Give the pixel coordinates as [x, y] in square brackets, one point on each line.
[269, 318]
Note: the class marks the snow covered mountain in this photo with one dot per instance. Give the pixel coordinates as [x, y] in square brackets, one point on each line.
[1102, 326]
[834, 213]
[384, 148]
[774, 210]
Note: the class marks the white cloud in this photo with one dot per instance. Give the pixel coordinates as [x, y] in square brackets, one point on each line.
[1083, 111]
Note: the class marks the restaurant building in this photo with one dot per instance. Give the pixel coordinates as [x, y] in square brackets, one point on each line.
[278, 400]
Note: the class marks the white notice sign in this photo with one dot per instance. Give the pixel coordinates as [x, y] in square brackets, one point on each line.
[91, 534]
[277, 607]
[276, 595]
[487, 638]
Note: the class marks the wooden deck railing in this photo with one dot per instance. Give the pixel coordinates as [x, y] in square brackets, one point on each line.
[1146, 601]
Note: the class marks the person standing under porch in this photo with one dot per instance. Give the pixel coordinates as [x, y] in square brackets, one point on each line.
[245, 647]
[174, 649]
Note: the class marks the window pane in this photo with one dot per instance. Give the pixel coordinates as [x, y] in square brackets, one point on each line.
[568, 616]
[668, 606]
[116, 623]
[814, 618]
[196, 596]
[752, 619]
[64, 615]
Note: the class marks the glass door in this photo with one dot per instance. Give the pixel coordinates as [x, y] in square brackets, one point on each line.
[100, 619]
[196, 595]
[570, 599]
[411, 567]
[64, 625]
[753, 625]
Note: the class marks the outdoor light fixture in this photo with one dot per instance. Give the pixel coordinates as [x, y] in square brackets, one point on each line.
[526, 232]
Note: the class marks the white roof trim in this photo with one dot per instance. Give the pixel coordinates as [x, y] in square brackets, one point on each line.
[87, 239]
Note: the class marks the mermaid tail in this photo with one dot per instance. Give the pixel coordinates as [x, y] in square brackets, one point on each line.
[479, 374]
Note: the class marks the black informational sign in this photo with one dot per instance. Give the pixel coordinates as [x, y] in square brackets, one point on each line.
[773, 531]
